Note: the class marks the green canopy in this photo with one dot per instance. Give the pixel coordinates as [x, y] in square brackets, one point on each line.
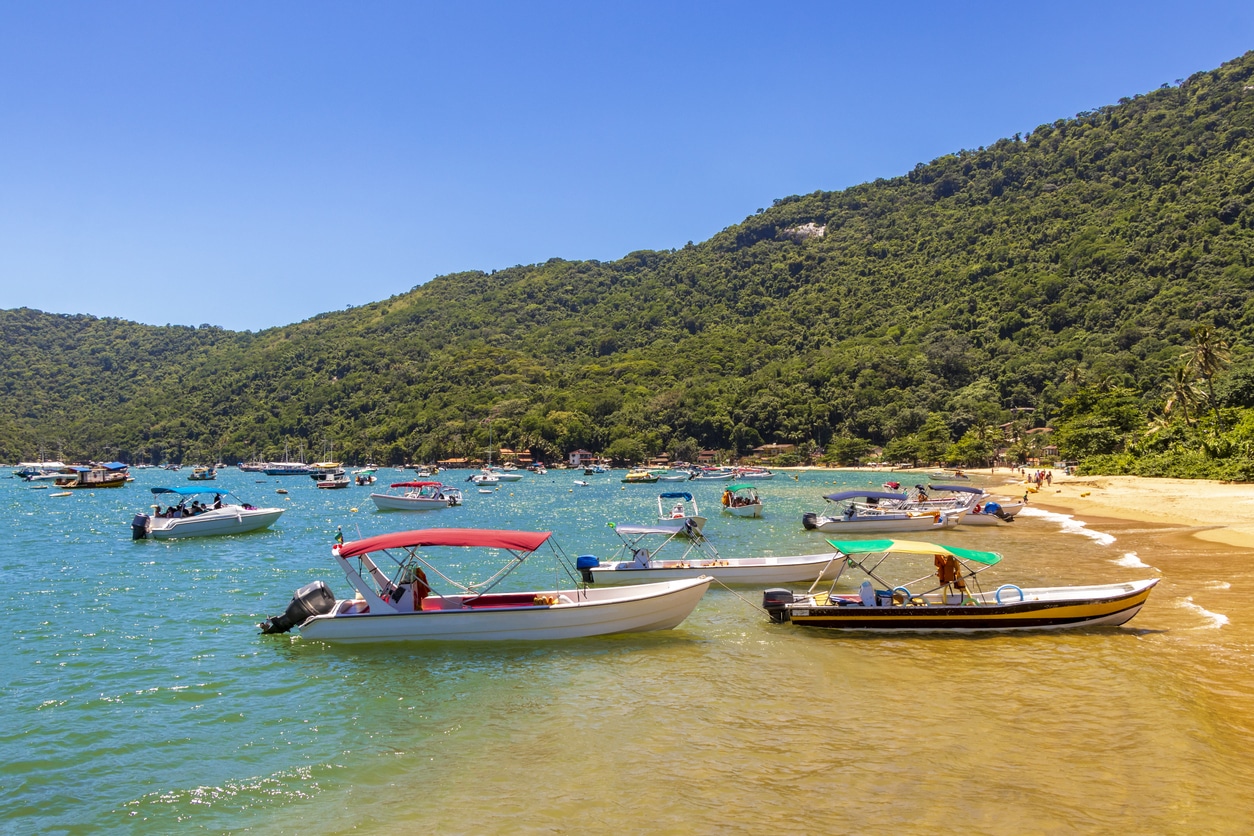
[734, 488]
[851, 547]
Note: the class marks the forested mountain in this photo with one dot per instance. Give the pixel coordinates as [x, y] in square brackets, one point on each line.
[1055, 278]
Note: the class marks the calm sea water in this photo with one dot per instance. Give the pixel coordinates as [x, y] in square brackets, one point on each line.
[139, 697]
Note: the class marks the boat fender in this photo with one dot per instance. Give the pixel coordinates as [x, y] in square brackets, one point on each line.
[585, 563]
[1006, 586]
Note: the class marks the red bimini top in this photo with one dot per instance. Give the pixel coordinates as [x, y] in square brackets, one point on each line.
[519, 541]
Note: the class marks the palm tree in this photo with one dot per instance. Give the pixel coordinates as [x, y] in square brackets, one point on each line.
[1209, 355]
[1184, 393]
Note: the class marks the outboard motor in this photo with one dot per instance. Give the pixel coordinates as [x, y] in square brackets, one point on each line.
[310, 600]
[585, 563]
[810, 520]
[139, 527]
[775, 602]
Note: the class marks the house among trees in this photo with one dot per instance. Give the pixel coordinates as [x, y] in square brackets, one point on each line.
[579, 458]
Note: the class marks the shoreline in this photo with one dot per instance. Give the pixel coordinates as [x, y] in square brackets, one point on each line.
[1217, 512]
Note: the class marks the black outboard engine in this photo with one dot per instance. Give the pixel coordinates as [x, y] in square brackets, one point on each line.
[810, 520]
[310, 600]
[139, 527]
[775, 602]
[584, 564]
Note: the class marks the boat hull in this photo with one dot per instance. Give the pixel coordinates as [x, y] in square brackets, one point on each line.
[583, 613]
[214, 523]
[743, 510]
[389, 502]
[927, 522]
[1048, 608]
[753, 571]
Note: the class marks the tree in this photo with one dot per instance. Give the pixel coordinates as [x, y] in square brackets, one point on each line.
[1209, 355]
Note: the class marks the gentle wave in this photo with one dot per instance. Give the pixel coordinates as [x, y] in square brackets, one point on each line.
[1071, 525]
[1130, 560]
[1216, 620]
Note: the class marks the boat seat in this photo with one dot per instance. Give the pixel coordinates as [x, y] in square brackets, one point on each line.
[502, 599]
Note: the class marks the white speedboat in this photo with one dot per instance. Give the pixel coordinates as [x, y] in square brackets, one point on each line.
[742, 501]
[365, 476]
[856, 517]
[757, 474]
[417, 496]
[485, 478]
[504, 474]
[672, 475]
[38, 471]
[393, 575]
[221, 513]
[677, 512]
[947, 596]
[653, 553]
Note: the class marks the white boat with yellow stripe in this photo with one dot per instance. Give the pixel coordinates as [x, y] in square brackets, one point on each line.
[950, 598]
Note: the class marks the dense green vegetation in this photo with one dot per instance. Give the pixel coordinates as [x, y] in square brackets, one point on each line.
[1061, 279]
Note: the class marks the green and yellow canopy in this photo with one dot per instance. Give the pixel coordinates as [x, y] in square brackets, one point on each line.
[852, 547]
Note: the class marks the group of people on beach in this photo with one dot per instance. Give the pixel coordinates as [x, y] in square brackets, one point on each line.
[181, 510]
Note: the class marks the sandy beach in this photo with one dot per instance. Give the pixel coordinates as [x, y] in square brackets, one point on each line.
[1221, 512]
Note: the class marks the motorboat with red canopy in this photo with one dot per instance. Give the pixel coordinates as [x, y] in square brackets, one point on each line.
[404, 592]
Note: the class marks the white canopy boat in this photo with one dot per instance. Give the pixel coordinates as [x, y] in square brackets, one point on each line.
[742, 501]
[365, 476]
[948, 596]
[855, 517]
[981, 507]
[681, 516]
[223, 514]
[402, 605]
[37, 471]
[640, 561]
[417, 496]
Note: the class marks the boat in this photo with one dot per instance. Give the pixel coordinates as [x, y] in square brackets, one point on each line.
[594, 470]
[365, 476]
[869, 517]
[110, 475]
[224, 513]
[713, 474]
[398, 602]
[756, 474]
[485, 477]
[581, 483]
[417, 496]
[645, 557]
[948, 474]
[504, 474]
[949, 596]
[201, 473]
[742, 501]
[981, 507]
[677, 511]
[334, 480]
[38, 471]
[254, 467]
[640, 477]
[320, 470]
[287, 467]
[673, 476]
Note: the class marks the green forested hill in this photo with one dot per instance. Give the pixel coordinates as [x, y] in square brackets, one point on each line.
[1064, 272]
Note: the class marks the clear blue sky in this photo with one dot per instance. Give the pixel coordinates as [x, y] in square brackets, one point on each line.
[251, 164]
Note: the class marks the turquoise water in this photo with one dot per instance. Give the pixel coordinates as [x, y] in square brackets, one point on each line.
[139, 697]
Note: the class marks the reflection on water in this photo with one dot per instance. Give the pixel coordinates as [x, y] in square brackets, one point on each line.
[140, 697]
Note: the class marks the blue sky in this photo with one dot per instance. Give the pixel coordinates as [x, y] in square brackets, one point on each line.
[252, 164]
